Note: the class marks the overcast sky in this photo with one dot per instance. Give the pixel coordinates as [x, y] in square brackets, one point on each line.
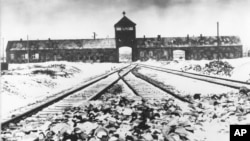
[78, 19]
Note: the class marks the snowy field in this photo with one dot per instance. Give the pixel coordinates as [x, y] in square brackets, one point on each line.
[186, 86]
[240, 67]
[208, 118]
[24, 84]
[221, 106]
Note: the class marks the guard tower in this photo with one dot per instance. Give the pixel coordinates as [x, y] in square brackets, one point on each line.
[125, 35]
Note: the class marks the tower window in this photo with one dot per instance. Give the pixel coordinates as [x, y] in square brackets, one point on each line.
[124, 28]
[130, 28]
[118, 28]
[127, 28]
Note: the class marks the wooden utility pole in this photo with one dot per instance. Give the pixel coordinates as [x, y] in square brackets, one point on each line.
[218, 33]
[28, 49]
[3, 49]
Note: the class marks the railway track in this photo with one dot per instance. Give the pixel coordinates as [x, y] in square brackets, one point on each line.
[151, 94]
[39, 106]
[148, 91]
[91, 89]
[40, 116]
[211, 79]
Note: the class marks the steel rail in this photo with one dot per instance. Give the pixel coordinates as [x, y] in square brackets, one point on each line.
[230, 80]
[205, 78]
[161, 88]
[94, 97]
[56, 99]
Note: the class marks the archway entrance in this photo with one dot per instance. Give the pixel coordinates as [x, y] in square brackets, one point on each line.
[125, 54]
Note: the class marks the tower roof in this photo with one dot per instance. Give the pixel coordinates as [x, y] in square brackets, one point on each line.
[124, 21]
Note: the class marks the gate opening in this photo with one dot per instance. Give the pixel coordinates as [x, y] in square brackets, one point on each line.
[125, 54]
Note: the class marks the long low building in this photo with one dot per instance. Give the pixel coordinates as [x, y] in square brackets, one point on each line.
[71, 50]
[107, 50]
[194, 48]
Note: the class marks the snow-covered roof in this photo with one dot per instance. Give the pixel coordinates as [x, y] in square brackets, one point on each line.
[61, 44]
[110, 43]
[185, 42]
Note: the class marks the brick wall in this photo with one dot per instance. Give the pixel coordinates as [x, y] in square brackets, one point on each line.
[191, 53]
[84, 55]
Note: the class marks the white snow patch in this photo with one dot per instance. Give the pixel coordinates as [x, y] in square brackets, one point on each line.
[186, 85]
[240, 72]
[20, 86]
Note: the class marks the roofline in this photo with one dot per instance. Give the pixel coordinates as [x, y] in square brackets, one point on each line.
[194, 46]
[189, 36]
[60, 39]
[127, 18]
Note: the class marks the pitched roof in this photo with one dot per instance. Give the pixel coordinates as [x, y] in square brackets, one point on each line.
[62, 44]
[184, 42]
[111, 44]
[125, 22]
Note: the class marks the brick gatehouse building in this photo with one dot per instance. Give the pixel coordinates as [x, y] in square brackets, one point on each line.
[107, 50]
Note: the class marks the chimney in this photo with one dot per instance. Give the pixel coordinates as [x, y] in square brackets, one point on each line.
[21, 39]
[200, 40]
[159, 37]
[94, 36]
[49, 39]
[188, 38]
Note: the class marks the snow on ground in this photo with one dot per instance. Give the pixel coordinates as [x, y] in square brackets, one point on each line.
[184, 85]
[242, 72]
[220, 106]
[24, 84]
[241, 67]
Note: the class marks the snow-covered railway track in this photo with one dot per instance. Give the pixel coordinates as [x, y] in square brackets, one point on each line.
[149, 92]
[136, 108]
[211, 79]
[54, 106]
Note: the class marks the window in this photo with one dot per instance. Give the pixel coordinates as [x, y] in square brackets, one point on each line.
[142, 54]
[118, 28]
[58, 56]
[215, 56]
[48, 56]
[32, 56]
[19, 45]
[24, 56]
[78, 56]
[231, 55]
[127, 28]
[124, 28]
[165, 53]
[35, 56]
[151, 53]
[12, 56]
